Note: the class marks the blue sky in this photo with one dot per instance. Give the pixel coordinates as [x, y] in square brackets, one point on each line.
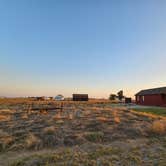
[80, 46]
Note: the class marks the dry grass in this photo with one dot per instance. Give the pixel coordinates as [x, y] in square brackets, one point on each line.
[97, 155]
[102, 119]
[5, 140]
[89, 129]
[4, 117]
[49, 130]
[95, 136]
[25, 116]
[58, 116]
[32, 142]
[70, 116]
[159, 127]
[116, 117]
[7, 111]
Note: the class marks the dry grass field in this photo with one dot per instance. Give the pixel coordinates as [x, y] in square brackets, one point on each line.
[34, 133]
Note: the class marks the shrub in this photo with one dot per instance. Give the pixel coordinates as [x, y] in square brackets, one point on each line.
[112, 97]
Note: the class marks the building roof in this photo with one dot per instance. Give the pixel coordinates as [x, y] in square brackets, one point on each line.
[59, 96]
[154, 91]
[80, 95]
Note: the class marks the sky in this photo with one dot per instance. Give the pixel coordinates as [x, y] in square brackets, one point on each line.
[81, 46]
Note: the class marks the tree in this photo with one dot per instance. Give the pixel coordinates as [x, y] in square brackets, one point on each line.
[112, 97]
[120, 95]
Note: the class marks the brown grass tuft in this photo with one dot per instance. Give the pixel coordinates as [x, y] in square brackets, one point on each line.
[32, 142]
[57, 116]
[24, 116]
[116, 117]
[102, 119]
[4, 117]
[49, 130]
[70, 117]
[159, 127]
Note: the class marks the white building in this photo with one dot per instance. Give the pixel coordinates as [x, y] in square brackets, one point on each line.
[59, 98]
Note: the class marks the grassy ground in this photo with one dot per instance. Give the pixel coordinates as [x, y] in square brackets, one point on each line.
[83, 133]
[152, 110]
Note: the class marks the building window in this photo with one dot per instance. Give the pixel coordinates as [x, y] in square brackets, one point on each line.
[143, 98]
[137, 98]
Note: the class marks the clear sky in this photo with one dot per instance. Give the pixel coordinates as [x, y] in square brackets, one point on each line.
[98, 47]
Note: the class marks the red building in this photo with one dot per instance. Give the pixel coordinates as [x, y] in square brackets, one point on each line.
[152, 97]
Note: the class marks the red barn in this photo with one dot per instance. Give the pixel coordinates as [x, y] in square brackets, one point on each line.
[152, 97]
